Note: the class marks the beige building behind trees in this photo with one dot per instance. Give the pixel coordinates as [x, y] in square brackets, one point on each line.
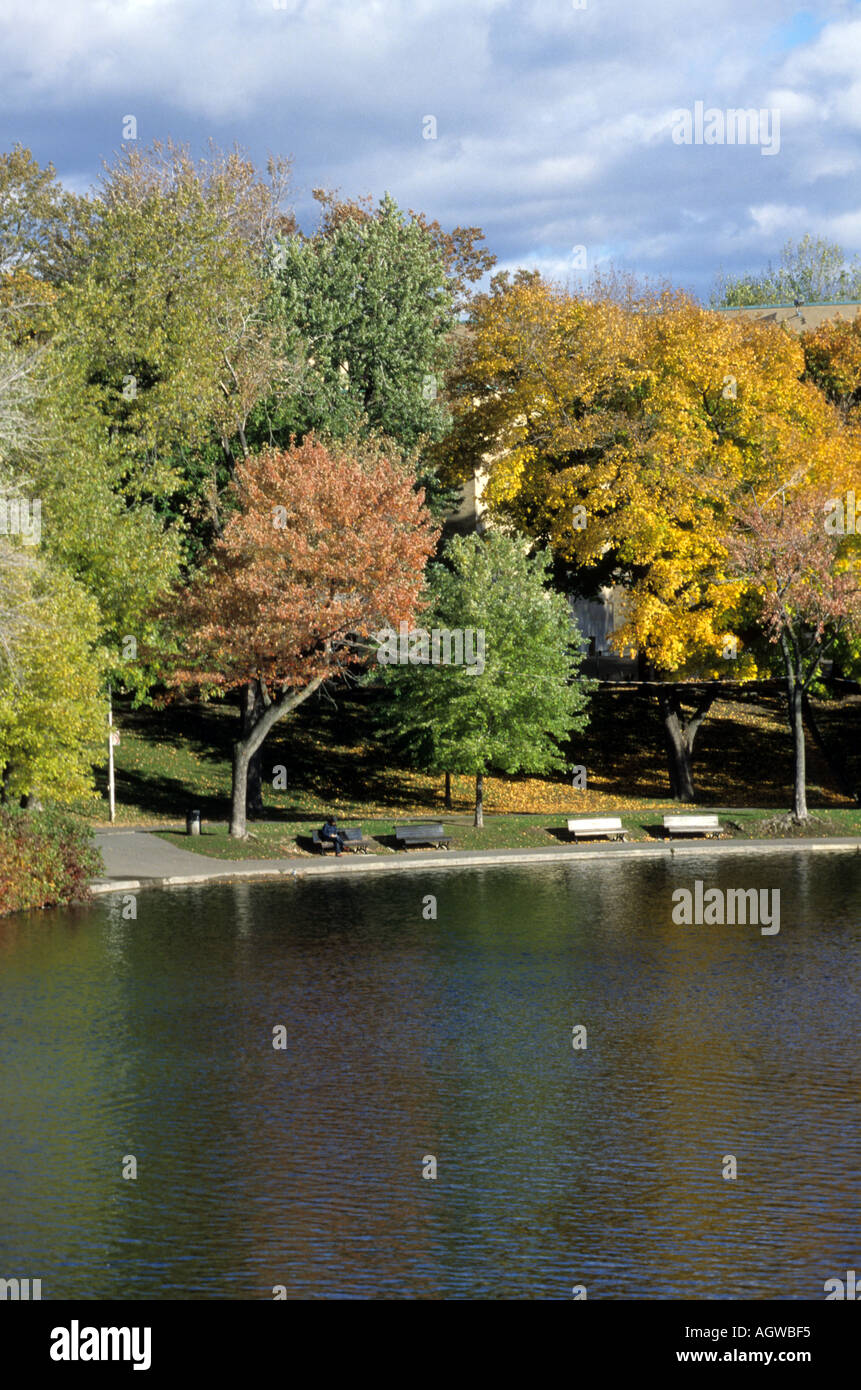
[800, 318]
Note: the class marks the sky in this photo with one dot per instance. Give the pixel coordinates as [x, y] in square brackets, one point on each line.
[552, 124]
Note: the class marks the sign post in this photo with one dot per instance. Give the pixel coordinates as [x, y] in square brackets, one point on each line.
[113, 739]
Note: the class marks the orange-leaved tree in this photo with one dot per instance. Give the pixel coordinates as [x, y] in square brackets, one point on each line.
[328, 544]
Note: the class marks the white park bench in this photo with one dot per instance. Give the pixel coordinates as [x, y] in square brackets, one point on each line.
[692, 825]
[609, 826]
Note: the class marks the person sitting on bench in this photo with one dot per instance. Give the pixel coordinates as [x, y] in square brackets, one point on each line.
[330, 832]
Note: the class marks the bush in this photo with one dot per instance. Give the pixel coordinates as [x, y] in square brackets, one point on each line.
[46, 859]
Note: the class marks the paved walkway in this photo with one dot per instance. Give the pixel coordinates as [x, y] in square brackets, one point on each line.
[138, 859]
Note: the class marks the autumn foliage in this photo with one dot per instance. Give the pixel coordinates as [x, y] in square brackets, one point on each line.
[327, 544]
[46, 859]
[620, 434]
[808, 581]
[808, 584]
[832, 353]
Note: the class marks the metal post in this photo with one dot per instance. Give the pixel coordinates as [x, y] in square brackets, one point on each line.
[111, 792]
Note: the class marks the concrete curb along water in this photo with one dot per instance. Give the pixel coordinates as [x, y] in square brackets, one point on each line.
[483, 858]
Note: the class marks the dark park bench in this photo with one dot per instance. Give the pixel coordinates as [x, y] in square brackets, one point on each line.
[407, 835]
[353, 837]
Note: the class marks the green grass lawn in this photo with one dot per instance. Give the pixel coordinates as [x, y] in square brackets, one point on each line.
[287, 839]
[172, 760]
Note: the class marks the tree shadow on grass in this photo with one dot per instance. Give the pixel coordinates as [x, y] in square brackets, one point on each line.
[743, 754]
[205, 730]
[160, 796]
[328, 751]
[333, 755]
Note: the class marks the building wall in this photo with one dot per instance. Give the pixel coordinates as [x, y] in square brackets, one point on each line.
[597, 619]
[798, 319]
[471, 513]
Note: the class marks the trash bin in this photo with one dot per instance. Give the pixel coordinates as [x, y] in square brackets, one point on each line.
[192, 823]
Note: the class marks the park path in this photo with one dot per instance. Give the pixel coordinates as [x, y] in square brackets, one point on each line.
[138, 858]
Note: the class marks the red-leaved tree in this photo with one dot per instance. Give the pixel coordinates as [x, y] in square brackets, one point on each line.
[328, 544]
[807, 580]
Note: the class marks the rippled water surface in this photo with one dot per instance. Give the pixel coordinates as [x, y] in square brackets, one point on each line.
[408, 1037]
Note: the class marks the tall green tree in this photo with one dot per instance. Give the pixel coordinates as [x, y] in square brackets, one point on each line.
[813, 271]
[35, 212]
[102, 513]
[40, 221]
[164, 321]
[512, 709]
[367, 309]
[157, 344]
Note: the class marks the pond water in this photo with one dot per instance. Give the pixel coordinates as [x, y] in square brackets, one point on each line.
[409, 1039]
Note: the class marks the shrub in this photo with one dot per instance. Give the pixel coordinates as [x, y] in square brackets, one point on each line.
[46, 859]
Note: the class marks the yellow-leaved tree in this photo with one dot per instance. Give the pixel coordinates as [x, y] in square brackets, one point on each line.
[619, 435]
[52, 713]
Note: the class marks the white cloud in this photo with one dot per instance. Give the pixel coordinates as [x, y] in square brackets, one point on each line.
[775, 219]
[553, 123]
[835, 53]
[795, 106]
[845, 228]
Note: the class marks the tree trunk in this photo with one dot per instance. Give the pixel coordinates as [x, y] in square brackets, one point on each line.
[253, 706]
[229, 456]
[239, 789]
[680, 735]
[678, 757]
[799, 796]
[448, 791]
[796, 724]
[834, 758]
[479, 801]
[795, 710]
[244, 749]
